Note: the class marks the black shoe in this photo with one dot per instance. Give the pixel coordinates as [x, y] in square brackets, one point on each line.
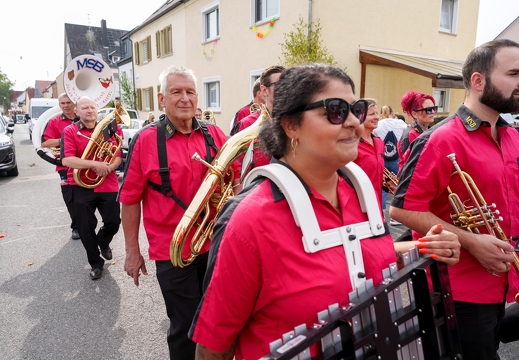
[107, 253]
[75, 235]
[96, 273]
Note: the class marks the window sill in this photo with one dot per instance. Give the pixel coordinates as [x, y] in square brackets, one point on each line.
[447, 32]
[210, 40]
[265, 21]
[166, 55]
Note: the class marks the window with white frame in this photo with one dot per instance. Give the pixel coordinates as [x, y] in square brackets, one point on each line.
[441, 97]
[164, 43]
[449, 16]
[212, 93]
[147, 99]
[264, 10]
[211, 22]
[146, 50]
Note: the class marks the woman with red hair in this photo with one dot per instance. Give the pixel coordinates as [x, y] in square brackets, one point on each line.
[421, 108]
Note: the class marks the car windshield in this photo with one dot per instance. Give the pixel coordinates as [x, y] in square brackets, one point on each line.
[38, 110]
[2, 129]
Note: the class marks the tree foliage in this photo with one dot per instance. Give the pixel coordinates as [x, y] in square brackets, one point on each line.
[304, 44]
[127, 92]
[6, 91]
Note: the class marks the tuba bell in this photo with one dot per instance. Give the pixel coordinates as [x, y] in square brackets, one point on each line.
[208, 115]
[51, 155]
[87, 75]
[216, 189]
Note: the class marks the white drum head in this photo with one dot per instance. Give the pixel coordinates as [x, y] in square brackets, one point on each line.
[88, 75]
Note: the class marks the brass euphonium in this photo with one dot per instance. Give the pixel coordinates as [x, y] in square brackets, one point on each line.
[216, 189]
[254, 108]
[480, 214]
[100, 148]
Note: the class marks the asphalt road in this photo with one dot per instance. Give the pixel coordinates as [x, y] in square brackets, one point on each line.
[49, 307]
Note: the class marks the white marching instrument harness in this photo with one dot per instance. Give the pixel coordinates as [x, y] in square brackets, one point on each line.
[314, 239]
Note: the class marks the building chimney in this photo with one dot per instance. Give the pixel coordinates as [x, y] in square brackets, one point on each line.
[104, 34]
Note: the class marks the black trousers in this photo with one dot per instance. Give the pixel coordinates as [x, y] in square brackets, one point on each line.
[68, 198]
[86, 202]
[478, 325]
[182, 292]
[509, 328]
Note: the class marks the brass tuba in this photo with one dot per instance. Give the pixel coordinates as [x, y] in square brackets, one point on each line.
[100, 148]
[481, 214]
[208, 115]
[216, 189]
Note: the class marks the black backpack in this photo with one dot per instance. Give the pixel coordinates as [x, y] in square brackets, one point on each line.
[390, 149]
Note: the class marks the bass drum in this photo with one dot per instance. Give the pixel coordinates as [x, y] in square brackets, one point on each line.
[37, 133]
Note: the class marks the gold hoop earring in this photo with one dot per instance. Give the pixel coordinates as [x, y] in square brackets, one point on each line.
[293, 144]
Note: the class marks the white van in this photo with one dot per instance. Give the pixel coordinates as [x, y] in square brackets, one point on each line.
[38, 106]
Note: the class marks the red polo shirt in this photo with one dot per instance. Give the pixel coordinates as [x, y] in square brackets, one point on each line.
[371, 159]
[161, 214]
[495, 170]
[54, 129]
[263, 283]
[259, 157]
[74, 145]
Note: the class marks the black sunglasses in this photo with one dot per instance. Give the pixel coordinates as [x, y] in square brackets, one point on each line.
[270, 84]
[337, 110]
[429, 110]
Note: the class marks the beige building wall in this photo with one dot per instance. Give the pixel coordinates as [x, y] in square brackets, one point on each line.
[146, 75]
[391, 24]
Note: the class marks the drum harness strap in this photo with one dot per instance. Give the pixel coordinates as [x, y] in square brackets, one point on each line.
[165, 187]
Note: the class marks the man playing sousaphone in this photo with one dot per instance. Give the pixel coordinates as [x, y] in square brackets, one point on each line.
[51, 139]
[102, 197]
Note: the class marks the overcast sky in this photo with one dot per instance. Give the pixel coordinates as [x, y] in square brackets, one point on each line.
[33, 31]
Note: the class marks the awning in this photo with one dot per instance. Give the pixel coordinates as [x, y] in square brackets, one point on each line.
[443, 72]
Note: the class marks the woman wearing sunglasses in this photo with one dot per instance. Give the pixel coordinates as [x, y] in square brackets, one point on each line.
[421, 108]
[260, 282]
[371, 150]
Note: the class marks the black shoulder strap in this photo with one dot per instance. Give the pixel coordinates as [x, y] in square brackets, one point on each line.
[209, 143]
[165, 188]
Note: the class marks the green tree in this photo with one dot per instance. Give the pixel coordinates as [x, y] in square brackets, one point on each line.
[127, 92]
[6, 91]
[304, 44]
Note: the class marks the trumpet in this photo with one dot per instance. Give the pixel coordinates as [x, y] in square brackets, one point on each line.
[216, 189]
[389, 181]
[100, 148]
[481, 214]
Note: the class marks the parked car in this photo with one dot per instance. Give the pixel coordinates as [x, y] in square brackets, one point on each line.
[101, 113]
[20, 119]
[129, 132]
[7, 150]
[8, 123]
